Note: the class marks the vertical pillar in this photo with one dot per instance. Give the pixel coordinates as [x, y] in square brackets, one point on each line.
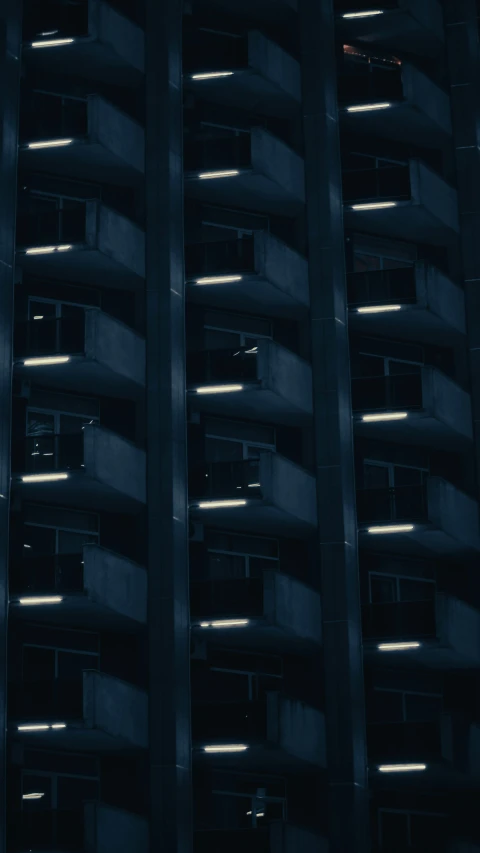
[10, 46]
[337, 528]
[462, 34]
[168, 594]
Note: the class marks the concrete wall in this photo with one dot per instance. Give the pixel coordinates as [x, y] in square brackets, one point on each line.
[273, 63]
[427, 97]
[115, 582]
[115, 462]
[108, 828]
[441, 296]
[447, 402]
[115, 346]
[282, 266]
[123, 36]
[297, 728]
[271, 157]
[117, 132]
[286, 374]
[293, 606]
[116, 708]
[427, 13]
[433, 193]
[288, 487]
[116, 236]
[458, 627]
[454, 512]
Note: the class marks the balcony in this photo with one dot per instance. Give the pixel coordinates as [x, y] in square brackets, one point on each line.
[97, 588]
[418, 108]
[408, 202]
[93, 36]
[270, 494]
[433, 409]
[273, 383]
[276, 610]
[261, 76]
[443, 626]
[278, 837]
[93, 830]
[278, 732]
[253, 170]
[258, 10]
[100, 353]
[95, 469]
[258, 273]
[91, 244]
[436, 518]
[402, 24]
[410, 303]
[86, 139]
[97, 713]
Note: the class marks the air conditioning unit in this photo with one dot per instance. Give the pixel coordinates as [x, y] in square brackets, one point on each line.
[195, 531]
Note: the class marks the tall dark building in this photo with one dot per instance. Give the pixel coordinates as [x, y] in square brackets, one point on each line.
[239, 445]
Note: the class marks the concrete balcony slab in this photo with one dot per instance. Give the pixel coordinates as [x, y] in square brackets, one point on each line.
[278, 837]
[402, 24]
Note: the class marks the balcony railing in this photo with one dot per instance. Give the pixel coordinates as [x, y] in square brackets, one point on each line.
[359, 84]
[221, 365]
[49, 337]
[62, 17]
[392, 742]
[56, 227]
[239, 596]
[232, 152]
[403, 504]
[391, 182]
[52, 699]
[387, 392]
[382, 286]
[52, 573]
[225, 480]
[51, 116]
[399, 620]
[214, 721]
[235, 841]
[222, 257]
[47, 830]
[41, 454]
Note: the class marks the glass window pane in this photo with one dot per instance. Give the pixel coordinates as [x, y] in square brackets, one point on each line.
[38, 664]
[394, 832]
[382, 589]
[422, 708]
[38, 540]
[33, 783]
[376, 476]
[40, 423]
[73, 792]
[416, 590]
[217, 450]
[226, 566]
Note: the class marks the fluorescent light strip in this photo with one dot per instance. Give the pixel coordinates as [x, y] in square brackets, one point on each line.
[377, 309]
[40, 727]
[224, 623]
[226, 173]
[43, 478]
[33, 796]
[52, 42]
[45, 599]
[397, 647]
[47, 250]
[374, 205]
[53, 143]
[387, 416]
[45, 360]
[231, 747]
[220, 504]
[219, 279]
[370, 14]
[211, 75]
[254, 485]
[219, 389]
[368, 108]
[401, 768]
[392, 528]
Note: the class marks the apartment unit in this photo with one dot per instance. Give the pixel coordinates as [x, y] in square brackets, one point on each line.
[239, 446]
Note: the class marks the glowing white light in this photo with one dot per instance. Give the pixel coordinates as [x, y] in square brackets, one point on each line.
[219, 279]
[33, 728]
[38, 317]
[401, 768]
[44, 360]
[386, 416]
[254, 485]
[258, 814]
[220, 504]
[374, 205]
[33, 796]
[378, 309]
[47, 250]
[52, 42]
[219, 389]
[211, 75]
[64, 248]
[53, 143]
[225, 623]
[370, 14]
[43, 478]
[59, 726]
[391, 528]
[230, 747]
[45, 599]
[397, 647]
[225, 173]
[367, 108]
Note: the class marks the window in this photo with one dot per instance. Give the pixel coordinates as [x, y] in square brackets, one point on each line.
[236, 556]
[400, 830]
[57, 790]
[247, 811]
[387, 475]
[391, 588]
[404, 706]
[228, 331]
[67, 536]
[47, 663]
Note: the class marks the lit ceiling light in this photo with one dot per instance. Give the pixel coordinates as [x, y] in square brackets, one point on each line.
[401, 768]
[219, 389]
[221, 504]
[219, 279]
[225, 623]
[372, 13]
[44, 599]
[58, 726]
[225, 173]
[257, 814]
[374, 205]
[386, 416]
[45, 360]
[47, 250]
[64, 248]
[211, 75]
[367, 108]
[397, 647]
[52, 42]
[378, 309]
[254, 485]
[53, 143]
[392, 528]
[33, 796]
[43, 478]
[38, 317]
[230, 747]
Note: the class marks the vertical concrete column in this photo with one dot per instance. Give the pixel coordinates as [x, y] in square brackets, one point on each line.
[168, 594]
[464, 70]
[337, 529]
[10, 47]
